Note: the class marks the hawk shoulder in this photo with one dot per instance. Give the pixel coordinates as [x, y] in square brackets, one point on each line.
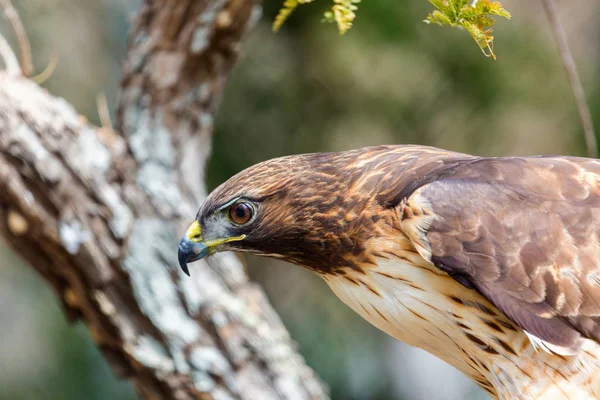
[524, 232]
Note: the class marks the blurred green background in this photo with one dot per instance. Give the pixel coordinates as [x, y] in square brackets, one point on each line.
[391, 79]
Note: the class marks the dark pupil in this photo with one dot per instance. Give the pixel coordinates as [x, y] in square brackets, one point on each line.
[241, 211]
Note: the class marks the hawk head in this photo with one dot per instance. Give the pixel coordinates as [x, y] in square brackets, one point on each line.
[314, 210]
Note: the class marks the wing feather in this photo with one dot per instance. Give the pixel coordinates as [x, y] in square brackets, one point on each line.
[525, 233]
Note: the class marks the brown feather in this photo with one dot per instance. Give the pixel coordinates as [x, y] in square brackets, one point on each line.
[392, 229]
[521, 230]
[524, 232]
[321, 210]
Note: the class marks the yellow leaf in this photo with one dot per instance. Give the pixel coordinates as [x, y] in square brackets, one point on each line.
[288, 8]
[476, 17]
[342, 13]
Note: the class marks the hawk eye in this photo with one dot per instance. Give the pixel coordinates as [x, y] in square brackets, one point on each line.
[241, 213]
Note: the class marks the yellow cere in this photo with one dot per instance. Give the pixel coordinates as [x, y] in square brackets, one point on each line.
[194, 232]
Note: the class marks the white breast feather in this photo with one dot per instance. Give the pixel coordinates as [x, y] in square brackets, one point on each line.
[415, 309]
[409, 314]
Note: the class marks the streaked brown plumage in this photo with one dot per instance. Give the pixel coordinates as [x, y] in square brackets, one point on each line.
[477, 260]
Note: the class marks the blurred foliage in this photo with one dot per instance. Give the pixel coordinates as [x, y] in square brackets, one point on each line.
[342, 13]
[390, 79]
[475, 16]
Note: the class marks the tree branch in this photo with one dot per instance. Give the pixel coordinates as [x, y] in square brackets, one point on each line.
[574, 80]
[99, 215]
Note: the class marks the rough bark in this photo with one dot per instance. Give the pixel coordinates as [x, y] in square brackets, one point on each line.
[98, 213]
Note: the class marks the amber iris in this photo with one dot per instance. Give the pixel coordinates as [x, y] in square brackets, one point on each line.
[240, 213]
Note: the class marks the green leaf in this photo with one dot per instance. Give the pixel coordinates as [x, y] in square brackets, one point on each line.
[474, 16]
[288, 8]
[342, 13]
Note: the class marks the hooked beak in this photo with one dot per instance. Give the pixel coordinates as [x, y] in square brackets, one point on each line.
[189, 252]
[193, 248]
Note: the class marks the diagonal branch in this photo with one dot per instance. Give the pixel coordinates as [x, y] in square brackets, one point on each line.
[574, 80]
[98, 213]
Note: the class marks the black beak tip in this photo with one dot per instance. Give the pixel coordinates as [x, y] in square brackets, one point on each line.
[183, 259]
[189, 252]
[185, 269]
[184, 254]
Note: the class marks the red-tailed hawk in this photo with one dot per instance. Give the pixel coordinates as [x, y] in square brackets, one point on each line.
[491, 264]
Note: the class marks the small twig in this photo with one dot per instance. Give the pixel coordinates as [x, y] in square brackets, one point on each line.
[47, 72]
[15, 21]
[573, 76]
[103, 112]
[10, 59]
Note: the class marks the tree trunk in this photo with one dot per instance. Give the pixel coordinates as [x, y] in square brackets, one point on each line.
[99, 213]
